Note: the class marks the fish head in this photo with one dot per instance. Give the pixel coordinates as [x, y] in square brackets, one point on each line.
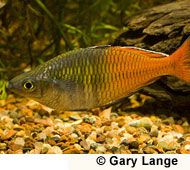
[38, 87]
[27, 85]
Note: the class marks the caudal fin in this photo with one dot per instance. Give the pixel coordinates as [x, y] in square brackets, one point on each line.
[181, 58]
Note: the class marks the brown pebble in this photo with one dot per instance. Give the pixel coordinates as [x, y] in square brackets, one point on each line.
[107, 128]
[29, 143]
[56, 137]
[51, 142]
[185, 148]
[90, 120]
[21, 133]
[91, 151]
[64, 138]
[167, 146]
[74, 116]
[143, 138]
[143, 122]
[72, 151]
[85, 145]
[19, 151]
[100, 138]
[149, 150]
[124, 150]
[134, 144]
[106, 123]
[178, 128]
[3, 146]
[154, 131]
[105, 114]
[8, 134]
[131, 129]
[168, 121]
[55, 150]
[121, 121]
[14, 146]
[84, 128]
[45, 122]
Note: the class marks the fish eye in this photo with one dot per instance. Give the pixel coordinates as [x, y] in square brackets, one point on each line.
[29, 85]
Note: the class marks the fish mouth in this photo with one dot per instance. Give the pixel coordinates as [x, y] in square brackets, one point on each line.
[10, 85]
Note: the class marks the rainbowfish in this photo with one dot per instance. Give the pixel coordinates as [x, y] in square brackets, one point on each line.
[93, 77]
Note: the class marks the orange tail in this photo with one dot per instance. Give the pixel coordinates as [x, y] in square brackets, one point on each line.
[181, 58]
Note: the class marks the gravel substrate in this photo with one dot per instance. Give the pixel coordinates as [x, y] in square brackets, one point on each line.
[28, 127]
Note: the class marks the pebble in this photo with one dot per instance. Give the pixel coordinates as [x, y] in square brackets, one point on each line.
[131, 129]
[51, 142]
[38, 145]
[45, 122]
[91, 139]
[55, 150]
[114, 149]
[178, 128]
[56, 138]
[21, 133]
[6, 119]
[185, 123]
[8, 134]
[143, 138]
[154, 131]
[105, 114]
[88, 119]
[100, 138]
[35, 151]
[71, 150]
[187, 138]
[41, 136]
[121, 121]
[84, 128]
[143, 122]
[168, 121]
[77, 146]
[19, 141]
[3, 146]
[24, 130]
[167, 146]
[19, 151]
[17, 127]
[45, 148]
[149, 150]
[187, 147]
[73, 136]
[126, 136]
[13, 146]
[100, 149]
[85, 144]
[74, 116]
[107, 128]
[133, 144]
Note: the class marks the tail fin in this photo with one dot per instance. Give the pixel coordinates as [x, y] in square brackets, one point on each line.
[181, 58]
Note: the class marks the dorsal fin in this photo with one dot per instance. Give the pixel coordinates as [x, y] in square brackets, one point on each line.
[100, 47]
[136, 50]
[142, 51]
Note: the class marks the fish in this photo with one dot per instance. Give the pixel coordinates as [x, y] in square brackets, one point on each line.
[94, 77]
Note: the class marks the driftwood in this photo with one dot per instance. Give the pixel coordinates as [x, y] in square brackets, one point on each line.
[162, 28]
